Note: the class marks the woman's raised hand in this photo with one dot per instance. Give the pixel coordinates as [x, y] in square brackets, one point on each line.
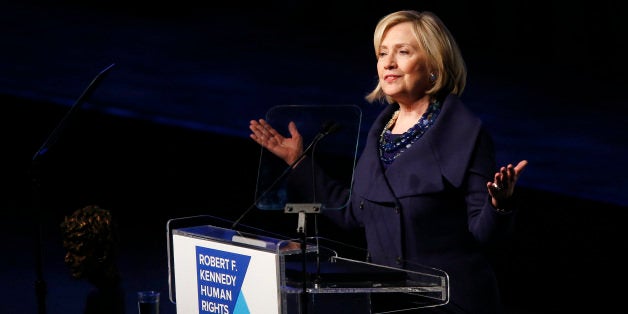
[287, 148]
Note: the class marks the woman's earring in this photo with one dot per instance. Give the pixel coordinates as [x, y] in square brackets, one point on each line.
[433, 78]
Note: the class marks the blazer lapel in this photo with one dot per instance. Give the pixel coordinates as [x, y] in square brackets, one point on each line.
[443, 153]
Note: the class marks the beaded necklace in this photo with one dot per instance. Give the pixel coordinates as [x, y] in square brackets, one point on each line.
[391, 146]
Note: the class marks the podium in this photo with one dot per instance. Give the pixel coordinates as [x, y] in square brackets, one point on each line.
[215, 269]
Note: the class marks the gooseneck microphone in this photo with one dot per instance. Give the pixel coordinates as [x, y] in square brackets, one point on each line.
[327, 128]
[56, 133]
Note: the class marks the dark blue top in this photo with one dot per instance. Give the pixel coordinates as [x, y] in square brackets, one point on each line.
[437, 211]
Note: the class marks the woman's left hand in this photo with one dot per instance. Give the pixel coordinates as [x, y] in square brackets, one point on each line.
[503, 186]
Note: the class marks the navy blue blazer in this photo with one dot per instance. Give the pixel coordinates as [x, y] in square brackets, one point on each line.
[430, 207]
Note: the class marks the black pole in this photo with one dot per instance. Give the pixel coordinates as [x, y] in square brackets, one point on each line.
[302, 232]
[40, 283]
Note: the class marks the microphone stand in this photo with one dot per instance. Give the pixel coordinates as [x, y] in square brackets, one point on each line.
[301, 209]
[40, 283]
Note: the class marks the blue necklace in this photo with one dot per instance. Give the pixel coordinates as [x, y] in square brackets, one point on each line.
[391, 146]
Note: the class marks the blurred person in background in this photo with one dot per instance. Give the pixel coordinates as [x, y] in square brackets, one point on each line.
[91, 239]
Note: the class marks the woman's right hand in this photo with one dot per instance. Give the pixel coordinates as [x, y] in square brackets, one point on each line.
[287, 148]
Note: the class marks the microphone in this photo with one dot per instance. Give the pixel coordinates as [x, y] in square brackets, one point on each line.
[89, 90]
[328, 127]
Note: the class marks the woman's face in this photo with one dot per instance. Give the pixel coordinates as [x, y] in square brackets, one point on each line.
[402, 65]
[77, 258]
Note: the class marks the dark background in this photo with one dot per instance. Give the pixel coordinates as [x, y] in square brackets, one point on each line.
[166, 133]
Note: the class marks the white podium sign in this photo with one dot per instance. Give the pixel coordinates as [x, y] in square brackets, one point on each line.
[219, 278]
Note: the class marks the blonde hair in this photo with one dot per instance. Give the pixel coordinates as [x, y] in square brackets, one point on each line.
[443, 55]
